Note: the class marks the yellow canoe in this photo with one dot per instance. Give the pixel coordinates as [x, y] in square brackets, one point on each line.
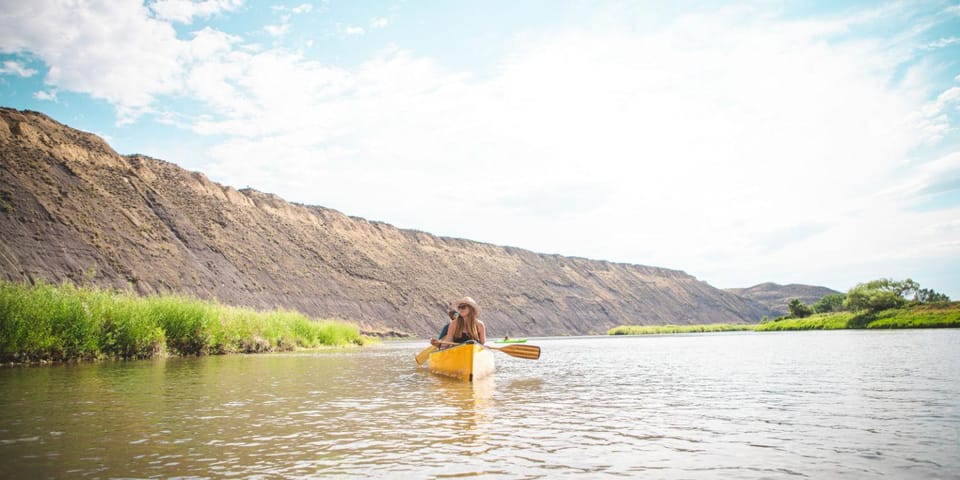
[467, 362]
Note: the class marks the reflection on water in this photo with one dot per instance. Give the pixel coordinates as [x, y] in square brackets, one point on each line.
[739, 405]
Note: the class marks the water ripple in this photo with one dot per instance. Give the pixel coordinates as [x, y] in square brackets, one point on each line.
[807, 404]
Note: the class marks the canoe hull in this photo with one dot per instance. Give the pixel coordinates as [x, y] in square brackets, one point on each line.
[466, 362]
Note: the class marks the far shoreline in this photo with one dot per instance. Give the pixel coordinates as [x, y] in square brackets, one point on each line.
[945, 315]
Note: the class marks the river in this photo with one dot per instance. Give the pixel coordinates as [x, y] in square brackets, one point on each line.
[854, 404]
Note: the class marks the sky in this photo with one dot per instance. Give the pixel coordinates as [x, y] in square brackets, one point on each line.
[741, 142]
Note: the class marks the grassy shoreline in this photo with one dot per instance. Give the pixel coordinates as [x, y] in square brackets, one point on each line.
[667, 329]
[945, 315]
[45, 322]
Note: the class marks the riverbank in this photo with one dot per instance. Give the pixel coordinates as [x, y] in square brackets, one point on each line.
[45, 322]
[942, 315]
[666, 329]
[945, 315]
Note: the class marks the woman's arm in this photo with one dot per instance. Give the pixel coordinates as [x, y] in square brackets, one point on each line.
[453, 328]
[483, 332]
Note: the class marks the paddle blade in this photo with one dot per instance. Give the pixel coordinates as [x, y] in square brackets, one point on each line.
[425, 354]
[529, 352]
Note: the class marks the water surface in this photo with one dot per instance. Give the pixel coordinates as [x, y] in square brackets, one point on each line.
[853, 404]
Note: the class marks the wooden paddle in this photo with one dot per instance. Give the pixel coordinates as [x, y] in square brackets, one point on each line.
[422, 356]
[529, 352]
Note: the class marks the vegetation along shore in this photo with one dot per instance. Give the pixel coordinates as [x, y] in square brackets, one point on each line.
[45, 322]
[877, 304]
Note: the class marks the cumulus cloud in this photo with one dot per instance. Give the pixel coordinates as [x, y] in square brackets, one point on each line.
[184, 11]
[351, 30]
[128, 57]
[12, 67]
[278, 30]
[379, 22]
[284, 26]
[50, 96]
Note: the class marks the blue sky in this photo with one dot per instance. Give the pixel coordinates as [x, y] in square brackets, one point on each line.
[741, 142]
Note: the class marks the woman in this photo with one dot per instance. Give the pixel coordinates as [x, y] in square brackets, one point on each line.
[466, 326]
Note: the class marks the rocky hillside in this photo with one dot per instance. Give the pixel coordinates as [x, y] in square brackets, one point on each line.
[775, 297]
[72, 208]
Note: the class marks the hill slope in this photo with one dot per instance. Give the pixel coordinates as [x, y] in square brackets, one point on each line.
[775, 297]
[72, 208]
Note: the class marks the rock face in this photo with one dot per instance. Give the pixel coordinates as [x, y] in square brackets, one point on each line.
[775, 297]
[72, 208]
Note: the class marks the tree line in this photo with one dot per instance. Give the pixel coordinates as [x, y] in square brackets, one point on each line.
[873, 296]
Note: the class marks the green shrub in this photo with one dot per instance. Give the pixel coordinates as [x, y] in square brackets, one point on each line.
[798, 309]
[829, 303]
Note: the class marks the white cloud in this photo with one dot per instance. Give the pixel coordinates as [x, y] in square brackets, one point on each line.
[933, 119]
[644, 149]
[50, 95]
[128, 58]
[134, 57]
[351, 30]
[284, 27]
[184, 11]
[943, 42]
[379, 22]
[303, 8]
[11, 67]
[924, 183]
[210, 44]
[951, 96]
[278, 30]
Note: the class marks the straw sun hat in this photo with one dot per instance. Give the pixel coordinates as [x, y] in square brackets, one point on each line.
[468, 301]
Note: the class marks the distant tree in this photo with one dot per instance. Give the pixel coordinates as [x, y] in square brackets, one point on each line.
[873, 301]
[925, 295]
[908, 288]
[798, 309]
[880, 294]
[829, 303]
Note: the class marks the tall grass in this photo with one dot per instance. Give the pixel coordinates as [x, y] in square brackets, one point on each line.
[820, 321]
[661, 329]
[924, 316]
[48, 322]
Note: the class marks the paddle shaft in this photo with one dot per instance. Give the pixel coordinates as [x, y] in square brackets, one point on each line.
[529, 352]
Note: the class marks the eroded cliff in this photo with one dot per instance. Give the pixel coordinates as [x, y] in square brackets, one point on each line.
[72, 208]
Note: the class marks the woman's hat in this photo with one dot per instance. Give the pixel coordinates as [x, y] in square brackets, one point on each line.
[468, 301]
